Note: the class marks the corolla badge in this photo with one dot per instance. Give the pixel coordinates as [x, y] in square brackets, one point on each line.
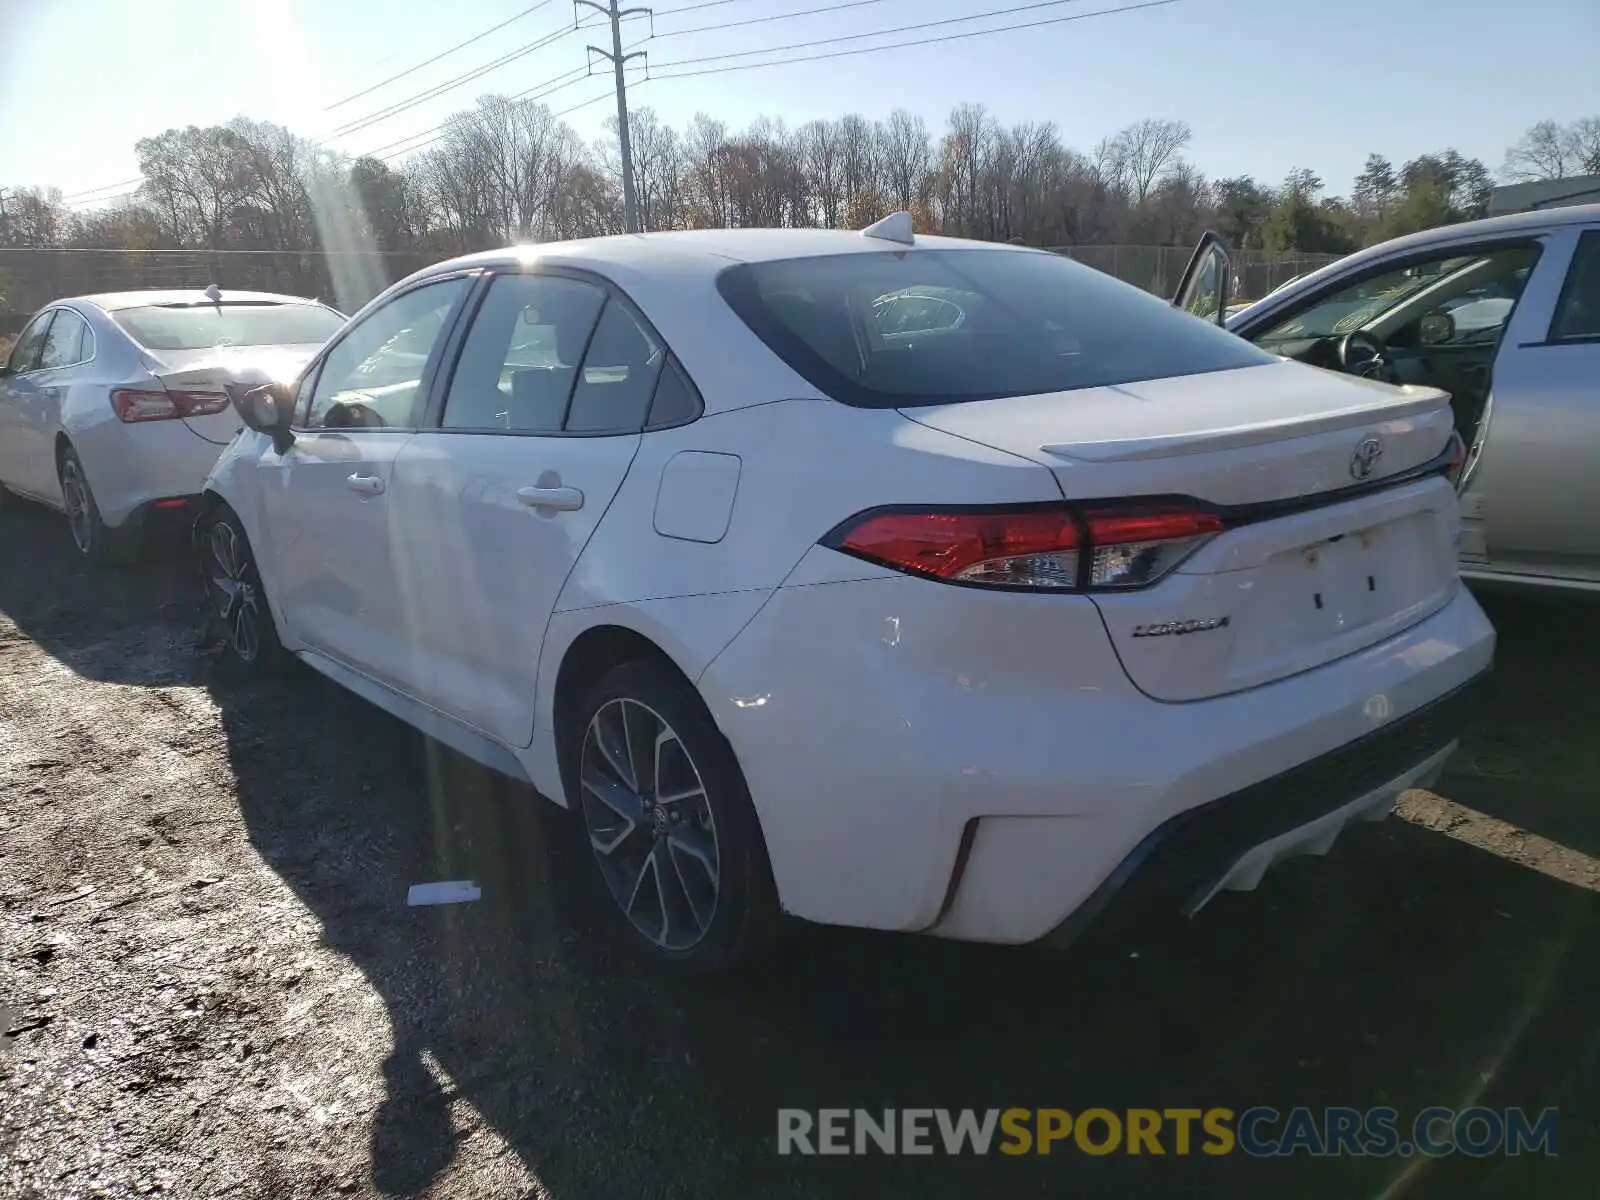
[1178, 628]
[1367, 453]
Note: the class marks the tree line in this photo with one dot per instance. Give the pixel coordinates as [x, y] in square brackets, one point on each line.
[508, 170]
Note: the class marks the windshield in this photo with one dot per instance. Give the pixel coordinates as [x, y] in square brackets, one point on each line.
[1353, 307]
[881, 330]
[202, 327]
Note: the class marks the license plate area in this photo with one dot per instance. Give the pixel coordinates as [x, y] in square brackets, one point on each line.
[1345, 580]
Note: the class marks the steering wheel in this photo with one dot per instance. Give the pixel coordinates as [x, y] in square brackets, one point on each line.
[1362, 354]
[352, 415]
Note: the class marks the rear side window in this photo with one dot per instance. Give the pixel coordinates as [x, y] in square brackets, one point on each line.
[205, 326]
[619, 376]
[68, 343]
[552, 355]
[907, 328]
[520, 360]
[1578, 311]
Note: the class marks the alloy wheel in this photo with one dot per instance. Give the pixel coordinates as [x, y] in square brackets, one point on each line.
[650, 824]
[234, 598]
[80, 510]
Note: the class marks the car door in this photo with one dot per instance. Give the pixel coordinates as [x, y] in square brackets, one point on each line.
[1203, 287]
[324, 506]
[498, 497]
[22, 405]
[67, 345]
[1533, 484]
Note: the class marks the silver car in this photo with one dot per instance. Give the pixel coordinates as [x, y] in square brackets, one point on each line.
[113, 408]
[1503, 314]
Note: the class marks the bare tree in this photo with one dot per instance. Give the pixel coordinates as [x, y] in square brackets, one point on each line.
[1141, 152]
[822, 159]
[1550, 150]
[907, 157]
[197, 179]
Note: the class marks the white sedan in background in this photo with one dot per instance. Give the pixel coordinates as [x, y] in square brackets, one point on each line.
[965, 626]
[113, 408]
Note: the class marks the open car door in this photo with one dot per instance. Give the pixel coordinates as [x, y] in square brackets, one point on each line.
[1203, 290]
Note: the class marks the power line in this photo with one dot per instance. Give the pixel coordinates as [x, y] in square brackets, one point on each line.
[694, 7]
[409, 102]
[477, 37]
[606, 95]
[100, 199]
[548, 87]
[949, 37]
[856, 37]
[786, 16]
[106, 187]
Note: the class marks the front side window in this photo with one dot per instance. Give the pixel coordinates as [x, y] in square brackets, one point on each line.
[372, 378]
[209, 326]
[1476, 292]
[1030, 322]
[25, 354]
[1578, 310]
[68, 341]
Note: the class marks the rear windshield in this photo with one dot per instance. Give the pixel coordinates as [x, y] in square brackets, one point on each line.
[203, 326]
[906, 328]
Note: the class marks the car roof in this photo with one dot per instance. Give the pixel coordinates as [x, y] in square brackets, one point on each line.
[1510, 224]
[113, 301]
[712, 249]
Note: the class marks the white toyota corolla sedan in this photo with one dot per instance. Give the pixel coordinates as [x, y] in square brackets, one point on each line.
[113, 407]
[909, 583]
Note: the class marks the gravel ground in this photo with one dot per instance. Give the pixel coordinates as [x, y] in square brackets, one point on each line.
[217, 988]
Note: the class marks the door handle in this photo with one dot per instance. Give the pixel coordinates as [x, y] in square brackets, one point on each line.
[367, 485]
[561, 499]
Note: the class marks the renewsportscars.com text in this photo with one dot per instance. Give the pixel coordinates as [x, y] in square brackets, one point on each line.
[1260, 1131]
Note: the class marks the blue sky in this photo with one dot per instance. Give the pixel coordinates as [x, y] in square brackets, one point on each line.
[1267, 85]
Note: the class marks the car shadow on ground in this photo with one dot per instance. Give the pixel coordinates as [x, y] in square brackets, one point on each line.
[1407, 969]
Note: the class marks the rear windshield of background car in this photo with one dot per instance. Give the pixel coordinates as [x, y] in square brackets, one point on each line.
[202, 327]
[907, 328]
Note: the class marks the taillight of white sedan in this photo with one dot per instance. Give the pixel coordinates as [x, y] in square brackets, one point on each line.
[908, 583]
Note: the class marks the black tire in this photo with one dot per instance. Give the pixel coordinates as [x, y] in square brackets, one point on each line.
[743, 910]
[98, 543]
[239, 620]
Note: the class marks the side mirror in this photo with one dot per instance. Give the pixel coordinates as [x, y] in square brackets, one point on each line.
[1436, 328]
[267, 408]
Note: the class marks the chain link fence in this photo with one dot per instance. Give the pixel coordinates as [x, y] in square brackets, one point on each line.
[30, 279]
[1157, 269]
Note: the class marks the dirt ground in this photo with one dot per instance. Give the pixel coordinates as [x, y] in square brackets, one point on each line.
[218, 990]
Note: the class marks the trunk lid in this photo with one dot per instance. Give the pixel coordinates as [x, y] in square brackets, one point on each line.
[1331, 544]
[213, 368]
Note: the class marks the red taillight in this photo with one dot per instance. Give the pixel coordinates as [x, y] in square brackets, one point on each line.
[1019, 548]
[1037, 547]
[158, 404]
[1458, 457]
[1137, 546]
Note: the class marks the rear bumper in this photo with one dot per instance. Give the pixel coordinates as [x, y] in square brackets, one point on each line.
[1227, 844]
[976, 765]
[132, 466]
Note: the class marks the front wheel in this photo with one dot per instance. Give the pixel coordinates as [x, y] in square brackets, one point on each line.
[236, 604]
[669, 822]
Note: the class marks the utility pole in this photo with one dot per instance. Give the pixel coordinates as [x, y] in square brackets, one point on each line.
[609, 10]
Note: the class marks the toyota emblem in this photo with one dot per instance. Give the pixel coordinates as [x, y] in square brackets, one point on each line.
[1365, 458]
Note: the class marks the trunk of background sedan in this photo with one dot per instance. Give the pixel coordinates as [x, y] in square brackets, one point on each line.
[210, 370]
[1333, 533]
